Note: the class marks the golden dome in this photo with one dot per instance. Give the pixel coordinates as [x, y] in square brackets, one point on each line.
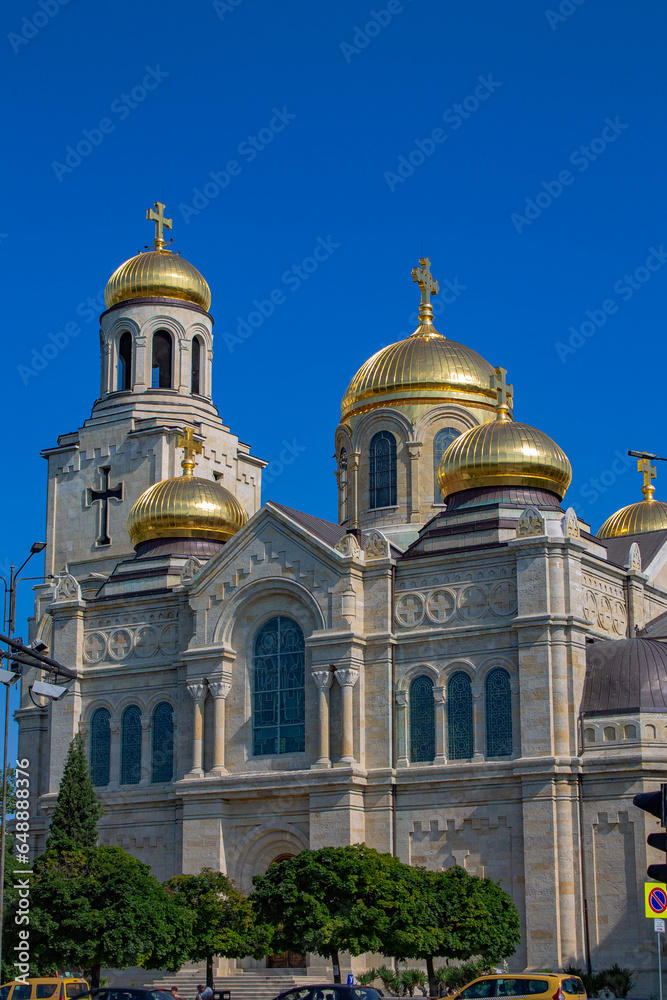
[157, 273]
[185, 507]
[501, 452]
[638, 518]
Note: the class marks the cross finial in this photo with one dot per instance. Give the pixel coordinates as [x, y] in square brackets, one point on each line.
[649, 471]
[190, 447]
[504, 391]
[158, 218]
[429, 286]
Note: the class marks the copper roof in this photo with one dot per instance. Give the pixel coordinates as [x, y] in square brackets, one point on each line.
[625, 675]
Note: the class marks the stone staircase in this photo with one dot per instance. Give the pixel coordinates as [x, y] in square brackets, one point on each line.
[260, 985]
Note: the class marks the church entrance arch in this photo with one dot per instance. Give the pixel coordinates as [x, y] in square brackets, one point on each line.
[287, 959]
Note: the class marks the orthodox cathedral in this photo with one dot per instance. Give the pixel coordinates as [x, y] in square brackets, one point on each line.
[458, 672]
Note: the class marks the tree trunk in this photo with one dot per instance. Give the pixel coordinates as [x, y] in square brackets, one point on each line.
[95, 972]
[335, 961]
[430, 972]
[209, 971]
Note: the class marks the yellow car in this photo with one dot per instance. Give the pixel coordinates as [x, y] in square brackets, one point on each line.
[66, 988]
[533, 985]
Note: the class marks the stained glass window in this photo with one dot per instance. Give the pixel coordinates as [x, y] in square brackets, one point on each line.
[124, 372]
[422, 720]
[383, 470]
[196, 365]
[162, 351]
[162, 763]
[130, 746]
[459, 716]
[498, 698]
[100, 746]
[441, 442]
[278, 688]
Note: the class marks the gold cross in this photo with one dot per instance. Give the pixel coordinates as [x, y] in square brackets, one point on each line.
[504, 391]
[427, 283]
[649, 471]
[158, 218]
[190, 447]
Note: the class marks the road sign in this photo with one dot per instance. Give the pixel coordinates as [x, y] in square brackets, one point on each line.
[655, 894]
[659, 926]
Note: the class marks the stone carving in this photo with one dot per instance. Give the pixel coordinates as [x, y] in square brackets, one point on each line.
[503, 598]
[376, 545]
[67, 587]
[570, 524]
[620, 619]
[197, 690]
[440, 606]
[530, 523]
[219, 689]
[95, 647]
[190, 569]
[410, 610]
[146, 642]
[604, 613]
[323, 678]
[472, 603]
[143, 641]
[120, 643]
[348, 546]
[347, 676]
[169, 639]
[634, 561]
[348, 603]
[590, 607]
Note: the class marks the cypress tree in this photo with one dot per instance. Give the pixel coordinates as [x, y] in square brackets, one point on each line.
[78, 808]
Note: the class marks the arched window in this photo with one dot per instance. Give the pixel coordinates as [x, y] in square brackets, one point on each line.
[100, 747]
[195, 382]
[422, 720]
[130, 746]
[630, 732]
[441, 442]
[609, 733]
[383, 470]
[589, 735]
[124, 366]
[459, 717]
[162, 351]
[342, 484]
[162, 743]
[498, 701]
[278, 688]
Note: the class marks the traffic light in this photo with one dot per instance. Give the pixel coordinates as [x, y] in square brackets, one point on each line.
[655, 803]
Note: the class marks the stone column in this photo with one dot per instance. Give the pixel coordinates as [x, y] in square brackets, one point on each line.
[219, 690]
[146, 751]
[197, 691]
[324, 680]
[414, 448]
[440, 698]
[402, 729]
[347, 677]
[353, 467]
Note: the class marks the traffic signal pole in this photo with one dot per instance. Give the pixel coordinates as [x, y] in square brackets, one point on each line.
[655, 804]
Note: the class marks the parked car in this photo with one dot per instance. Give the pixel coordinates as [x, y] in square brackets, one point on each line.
[124, 993]
[536, 986]
[60, 988]
[329, 991]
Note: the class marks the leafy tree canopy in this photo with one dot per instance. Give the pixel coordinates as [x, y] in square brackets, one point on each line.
[77, 808]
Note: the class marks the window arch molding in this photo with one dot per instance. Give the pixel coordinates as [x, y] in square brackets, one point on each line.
[110, 344]
[414, 671]
[306, 611]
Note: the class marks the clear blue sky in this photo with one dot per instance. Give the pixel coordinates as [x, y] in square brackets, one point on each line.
[182, 90]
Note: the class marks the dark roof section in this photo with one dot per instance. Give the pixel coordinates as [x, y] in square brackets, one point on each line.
[649, 544]
[625, 675]
[326, 531]
[655, 629]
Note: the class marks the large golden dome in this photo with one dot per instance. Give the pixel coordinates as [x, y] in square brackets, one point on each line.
[638, 518]
[501, 452]
[159, 274]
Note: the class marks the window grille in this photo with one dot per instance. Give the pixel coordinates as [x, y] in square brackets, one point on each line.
[459, 717]
[383, 470]
[498, 698]
[130, 746]
[162, 749]
[196, 366]
[422, 720]
[100, 747]
[278, 688]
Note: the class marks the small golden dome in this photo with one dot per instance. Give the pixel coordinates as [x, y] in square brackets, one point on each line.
[157, 274]
[185, 507]
[501, 452]
[638, 518]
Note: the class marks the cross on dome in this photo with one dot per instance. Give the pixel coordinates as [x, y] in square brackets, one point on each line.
[649, 471]
[186, 441]
[427, 283]
[505, 393]
[160, 221]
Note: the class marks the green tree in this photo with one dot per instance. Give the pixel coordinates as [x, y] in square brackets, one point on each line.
[11, 789]
[77, 808]
[221, 918]
[331, 900]
[99, 906]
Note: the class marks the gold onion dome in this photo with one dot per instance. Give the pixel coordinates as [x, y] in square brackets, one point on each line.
[501, 452]
[185, 506]
[638, 518]
[157, 273]
[423, 368]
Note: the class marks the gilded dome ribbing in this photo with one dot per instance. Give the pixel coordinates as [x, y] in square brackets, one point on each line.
[638, 518]
[185, 507]
[159, 274]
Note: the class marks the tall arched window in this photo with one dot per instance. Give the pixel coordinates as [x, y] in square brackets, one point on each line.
[124, 366]
[162, 360]
[422, 720]
[278, 721]
[383, 470]
[441, 442]
[459, 717]
[195, 380]
[498, 702]
[162, 764]
[342, 484]
[100, 746]
[130, 746]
